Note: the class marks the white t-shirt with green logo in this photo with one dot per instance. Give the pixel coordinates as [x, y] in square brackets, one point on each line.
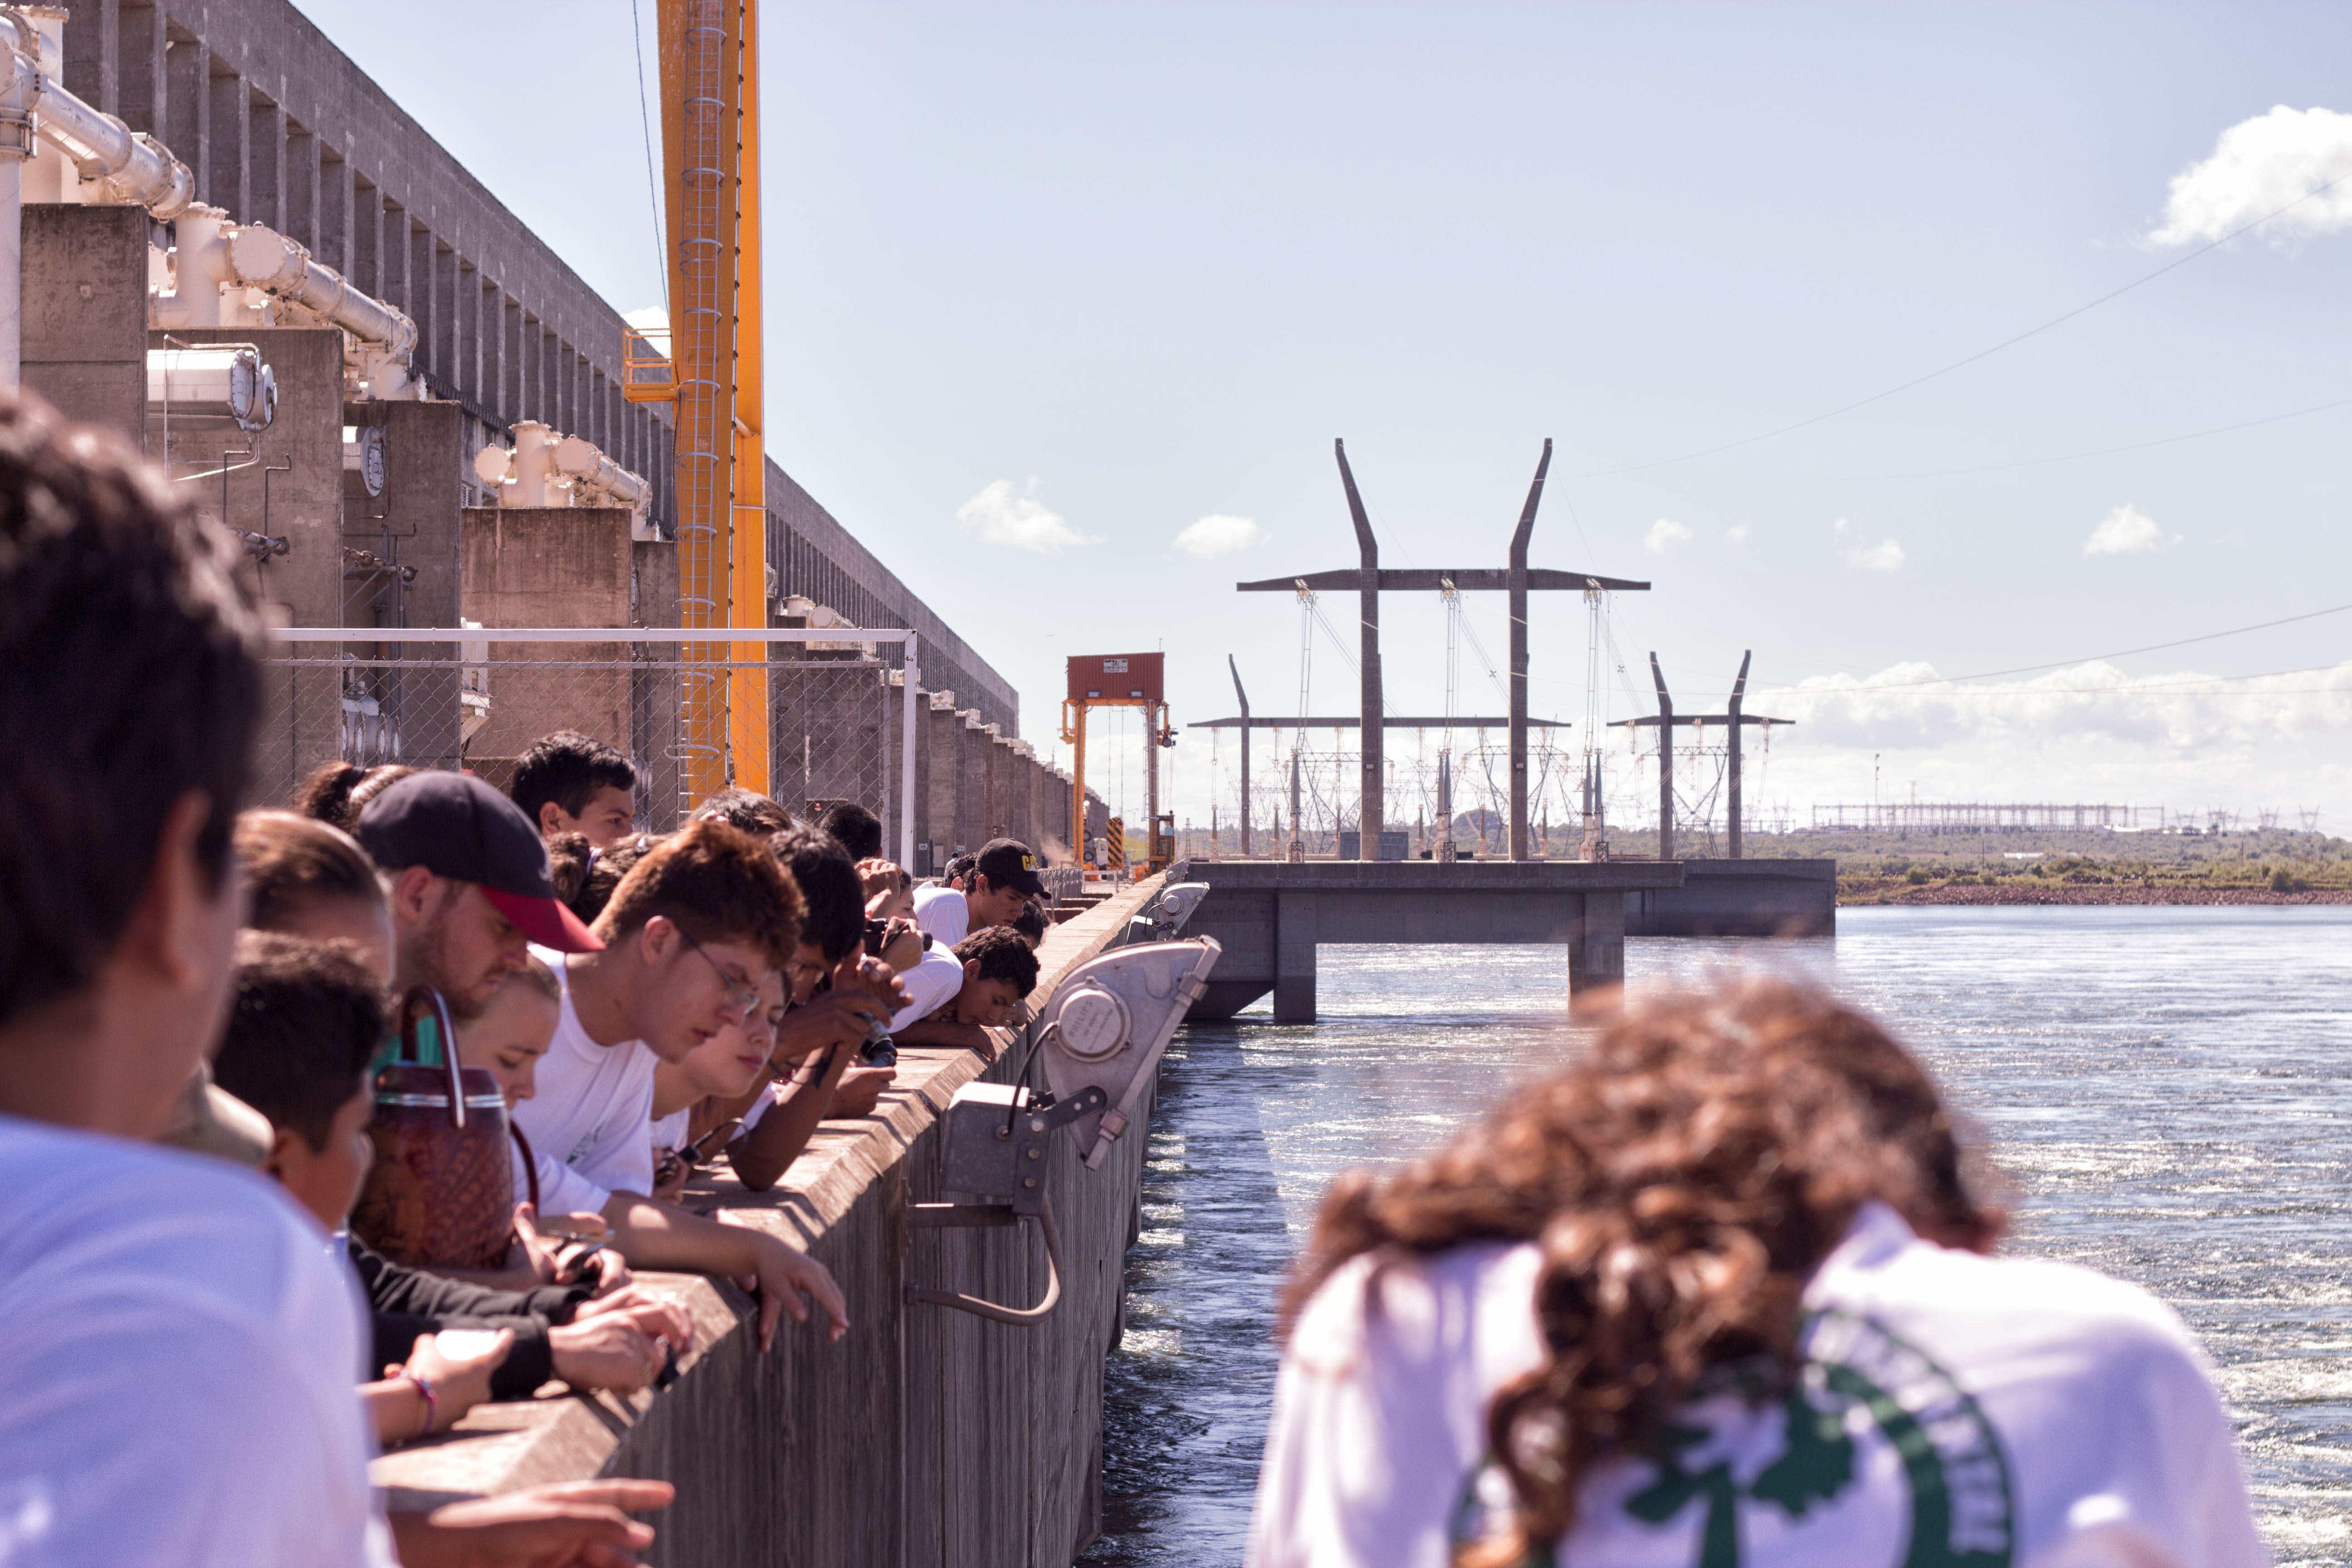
[1954, 1411]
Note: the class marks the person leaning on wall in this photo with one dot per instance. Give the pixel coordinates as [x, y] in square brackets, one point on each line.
[177, 1344]
[1721, 1291]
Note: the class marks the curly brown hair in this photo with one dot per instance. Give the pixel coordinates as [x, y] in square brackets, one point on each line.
[1683, 1178]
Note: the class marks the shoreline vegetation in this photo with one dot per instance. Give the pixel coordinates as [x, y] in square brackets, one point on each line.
[2267, 866]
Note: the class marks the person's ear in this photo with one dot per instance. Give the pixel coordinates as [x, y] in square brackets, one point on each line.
[655, 939]
[970, 970]
[285, 1146]
[550, 818]
[411, 890]
[177, 926]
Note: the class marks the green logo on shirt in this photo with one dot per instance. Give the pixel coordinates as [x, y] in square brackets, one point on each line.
[1856, 1378]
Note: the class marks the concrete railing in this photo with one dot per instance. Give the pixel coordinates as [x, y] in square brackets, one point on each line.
[927, 1435]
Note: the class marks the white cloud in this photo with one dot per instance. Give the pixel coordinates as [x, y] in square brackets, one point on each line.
[2258, 166]
[2085, 733]
[2127, 530]
[1883, 556]
[1662, 533]
[1020, 521]
[1218, 534]
[1737, 533]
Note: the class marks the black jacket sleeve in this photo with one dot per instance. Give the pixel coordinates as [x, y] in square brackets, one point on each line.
[410, 1302]
[397, 1288]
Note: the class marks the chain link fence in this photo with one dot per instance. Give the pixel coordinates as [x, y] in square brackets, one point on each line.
[839, 720]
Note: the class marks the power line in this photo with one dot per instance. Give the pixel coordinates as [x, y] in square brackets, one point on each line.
[2103, 452]
[2092, 658]
[653, 184]
[1981, 353]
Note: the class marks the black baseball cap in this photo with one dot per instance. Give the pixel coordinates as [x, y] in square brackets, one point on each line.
[1007, 863]
[455, 825]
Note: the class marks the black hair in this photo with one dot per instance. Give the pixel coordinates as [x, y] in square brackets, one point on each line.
[130, 678]
[1031, 923]
[1002, 955]
[960, 867]
[858, 829]
[747, 809]
[829, 887]
[567, 768]
[309, 1014]
[336, 792]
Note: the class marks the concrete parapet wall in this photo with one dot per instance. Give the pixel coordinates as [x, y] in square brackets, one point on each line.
[1740, 897]
[927, 1437]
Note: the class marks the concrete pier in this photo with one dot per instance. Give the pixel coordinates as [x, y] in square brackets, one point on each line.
[1269, 915]
[1740, 897]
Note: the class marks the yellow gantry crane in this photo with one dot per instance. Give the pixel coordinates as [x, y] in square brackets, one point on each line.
[709, 63]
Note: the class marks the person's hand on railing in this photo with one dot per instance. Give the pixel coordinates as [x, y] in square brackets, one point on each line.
[790, 1280]
[662, 1316]
[579, 1524]
[859, 1091]
[608, 1351]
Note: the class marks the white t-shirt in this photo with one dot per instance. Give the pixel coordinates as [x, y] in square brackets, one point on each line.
[669, 1132]
[2049, 1411]
[589, 1113]
[942, 911]
[931, 985]
[179, 1353]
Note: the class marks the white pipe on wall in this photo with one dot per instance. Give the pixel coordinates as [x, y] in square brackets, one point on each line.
[261, 258]
[19, 83]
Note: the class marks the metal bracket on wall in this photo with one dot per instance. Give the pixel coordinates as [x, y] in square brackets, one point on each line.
[991, 1216]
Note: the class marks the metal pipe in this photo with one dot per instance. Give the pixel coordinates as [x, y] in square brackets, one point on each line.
[16, 94]
[597, 477]
[132, 168]
[260, 258]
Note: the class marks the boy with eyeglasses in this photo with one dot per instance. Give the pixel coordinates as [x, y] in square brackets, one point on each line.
[691, 936]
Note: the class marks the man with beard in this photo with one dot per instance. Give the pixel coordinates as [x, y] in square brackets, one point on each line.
[469, 887]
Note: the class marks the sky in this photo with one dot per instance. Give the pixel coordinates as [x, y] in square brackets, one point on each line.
[1067, 302]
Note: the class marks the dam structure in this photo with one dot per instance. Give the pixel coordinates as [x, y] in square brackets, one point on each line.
[424, 345]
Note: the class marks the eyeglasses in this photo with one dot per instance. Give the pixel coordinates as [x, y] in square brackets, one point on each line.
[741, 994]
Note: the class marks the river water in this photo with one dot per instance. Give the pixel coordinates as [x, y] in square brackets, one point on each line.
[2168, 1089]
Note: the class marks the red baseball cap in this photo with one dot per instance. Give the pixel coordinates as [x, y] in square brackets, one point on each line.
[455, 825]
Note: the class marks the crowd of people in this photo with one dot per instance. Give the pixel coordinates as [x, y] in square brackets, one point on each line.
[200, 1349]
[1719, 1291]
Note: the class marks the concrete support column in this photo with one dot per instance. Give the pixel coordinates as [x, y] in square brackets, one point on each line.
[266, 174]
[447, 329]
[1596, 947]
[466, 339]
[918, 803]
[334, 218]
[93, 48]
[940, 724]
[367, 239]
[1294, 957]
[139, 66]
[300, 203]
[186, 104]
[85, 312]
[424, 305]
[227, 172]
[972, 787]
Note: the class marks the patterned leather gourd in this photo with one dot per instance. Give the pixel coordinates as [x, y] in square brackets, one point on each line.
[441, 1192]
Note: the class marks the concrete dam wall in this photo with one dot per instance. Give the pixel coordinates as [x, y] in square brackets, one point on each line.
[927, 1435]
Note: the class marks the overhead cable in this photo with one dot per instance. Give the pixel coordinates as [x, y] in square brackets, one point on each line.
[2104, 451]
[1981, 353]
